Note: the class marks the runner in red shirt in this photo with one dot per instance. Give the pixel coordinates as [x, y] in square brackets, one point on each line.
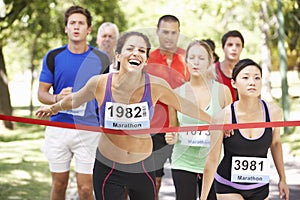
[168, 63]
[232, 45]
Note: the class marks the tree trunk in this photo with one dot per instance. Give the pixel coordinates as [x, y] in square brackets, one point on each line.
[283, 65]
[32, 68]
[265, 54]
[5, 104]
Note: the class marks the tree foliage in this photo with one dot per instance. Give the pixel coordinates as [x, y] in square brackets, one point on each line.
[11, 12]
[35, 26]
[29, 28]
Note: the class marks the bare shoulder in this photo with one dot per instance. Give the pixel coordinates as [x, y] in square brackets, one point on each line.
[275, 110]
[160, 89]
[100, 83]
[223, 116]
[224, 88]
[224, 95]
[96, 82]
[158, 82]
[182, 87]
[156, 79]
[100, 80]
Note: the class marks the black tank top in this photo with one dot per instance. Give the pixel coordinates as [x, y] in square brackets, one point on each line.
[238, 145]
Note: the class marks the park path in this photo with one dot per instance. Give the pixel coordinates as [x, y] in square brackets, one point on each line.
[167, 192]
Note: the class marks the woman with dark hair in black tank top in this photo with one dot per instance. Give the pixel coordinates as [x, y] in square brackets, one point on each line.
[243, 171]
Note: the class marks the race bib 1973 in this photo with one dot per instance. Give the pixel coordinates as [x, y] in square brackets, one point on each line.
[195, 138]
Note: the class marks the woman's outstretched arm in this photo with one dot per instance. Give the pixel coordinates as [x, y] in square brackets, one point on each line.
[72, 100]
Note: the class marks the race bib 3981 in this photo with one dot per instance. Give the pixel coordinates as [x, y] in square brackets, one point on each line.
[250, 169]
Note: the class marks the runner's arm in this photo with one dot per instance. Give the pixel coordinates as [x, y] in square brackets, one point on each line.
[183, 105]
[212, 160]
[72, 100]
[276, 151]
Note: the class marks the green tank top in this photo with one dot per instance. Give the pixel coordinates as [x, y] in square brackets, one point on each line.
[192, 157]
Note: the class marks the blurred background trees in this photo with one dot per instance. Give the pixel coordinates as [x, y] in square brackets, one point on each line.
[29, 28]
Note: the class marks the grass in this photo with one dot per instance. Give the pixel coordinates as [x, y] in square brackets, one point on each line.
[24, 171]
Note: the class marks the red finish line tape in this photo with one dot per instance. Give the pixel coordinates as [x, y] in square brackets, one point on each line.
[151, 130]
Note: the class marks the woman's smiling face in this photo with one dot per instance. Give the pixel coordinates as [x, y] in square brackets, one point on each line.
[133, 54]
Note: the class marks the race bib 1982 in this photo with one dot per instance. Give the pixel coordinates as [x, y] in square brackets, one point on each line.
[127, 116]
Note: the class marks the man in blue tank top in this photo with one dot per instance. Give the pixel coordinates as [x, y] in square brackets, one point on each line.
[67, 69]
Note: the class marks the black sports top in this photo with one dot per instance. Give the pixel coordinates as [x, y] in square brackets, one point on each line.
[238, 145]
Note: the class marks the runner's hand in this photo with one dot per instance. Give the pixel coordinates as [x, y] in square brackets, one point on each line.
[284, 192]
[64, 92]
[228, 133]
[44, 112]
[171, 137]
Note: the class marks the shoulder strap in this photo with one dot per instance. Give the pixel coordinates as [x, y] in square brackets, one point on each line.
[266, 111]
[108, 93]
[233, 117]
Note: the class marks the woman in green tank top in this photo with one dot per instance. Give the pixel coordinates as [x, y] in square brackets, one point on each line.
[191, 147]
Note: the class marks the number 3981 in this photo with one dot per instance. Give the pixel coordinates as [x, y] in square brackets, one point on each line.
[245, 165]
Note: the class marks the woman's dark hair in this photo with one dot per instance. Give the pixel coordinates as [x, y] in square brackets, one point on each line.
[126, 35]
[241, 65]
[212, 45]
[81, 10]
